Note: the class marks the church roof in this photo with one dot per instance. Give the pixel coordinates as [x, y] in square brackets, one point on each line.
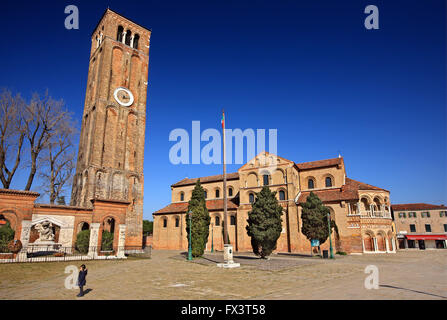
[216, 178]
[319, 164]
[182, 207]
[331, 195]
[235, 175]
[349, 191]
[357, 185]
[417, 206]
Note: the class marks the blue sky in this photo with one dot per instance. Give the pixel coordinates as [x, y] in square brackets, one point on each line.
[309, 69]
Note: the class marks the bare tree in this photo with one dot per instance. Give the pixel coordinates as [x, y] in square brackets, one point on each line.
[12, 135]
[58, 161]
[41, 120]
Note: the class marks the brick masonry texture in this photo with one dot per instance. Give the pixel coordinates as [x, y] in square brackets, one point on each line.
[111, 147]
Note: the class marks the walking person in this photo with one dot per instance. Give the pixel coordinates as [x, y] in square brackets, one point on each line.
[81, 280]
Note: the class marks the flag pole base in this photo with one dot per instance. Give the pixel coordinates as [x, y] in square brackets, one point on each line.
[228, 265]
[228, 258]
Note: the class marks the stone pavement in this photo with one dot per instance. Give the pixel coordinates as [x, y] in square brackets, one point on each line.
[404, 275]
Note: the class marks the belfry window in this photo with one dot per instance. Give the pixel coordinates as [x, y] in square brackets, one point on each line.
[128, 36]
[119, 35]
[328, 182]
[217, 193]
[136, 38]
[165, 223]
[230, 192]
[177, 222]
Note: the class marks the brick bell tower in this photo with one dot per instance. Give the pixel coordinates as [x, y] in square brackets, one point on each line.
[111, 147]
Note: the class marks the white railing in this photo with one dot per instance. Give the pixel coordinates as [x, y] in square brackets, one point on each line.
[375, 214]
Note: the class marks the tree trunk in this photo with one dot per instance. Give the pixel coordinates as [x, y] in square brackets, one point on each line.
[32, 172]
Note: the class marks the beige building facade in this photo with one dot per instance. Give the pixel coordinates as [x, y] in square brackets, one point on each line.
[420, 225]
[361, 211]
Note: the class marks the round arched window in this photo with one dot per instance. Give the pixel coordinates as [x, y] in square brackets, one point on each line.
[251, 198]
[282, 195]
[310, 184]
[328, 182]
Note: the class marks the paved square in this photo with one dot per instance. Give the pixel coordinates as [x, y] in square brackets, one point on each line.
[404, 275]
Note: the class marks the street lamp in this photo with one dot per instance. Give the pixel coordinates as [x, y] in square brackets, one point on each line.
[189, 247]
[212, 238]
[330, 238]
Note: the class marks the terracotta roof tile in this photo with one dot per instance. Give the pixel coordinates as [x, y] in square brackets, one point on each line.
[319, 164]
[416, 206]
[351, 183]
[331, 195]
[20, 192]
[348, 191]
[212, 205]
[216, 178]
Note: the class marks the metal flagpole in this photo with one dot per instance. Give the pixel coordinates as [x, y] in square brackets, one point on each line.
[228, 248]
[224, 182]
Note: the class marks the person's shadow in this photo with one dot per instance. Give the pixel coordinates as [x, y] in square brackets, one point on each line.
[87, 291]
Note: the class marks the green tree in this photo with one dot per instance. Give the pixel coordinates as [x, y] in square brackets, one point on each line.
[6, 235]
[264, 222]
[83, 241]
[200, 220]
[148, 227]
[107, 241]
[314, 217]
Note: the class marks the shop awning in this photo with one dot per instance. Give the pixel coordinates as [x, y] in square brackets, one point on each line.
[427, 237]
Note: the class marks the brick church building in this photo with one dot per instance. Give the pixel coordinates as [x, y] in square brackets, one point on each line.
[361, 211]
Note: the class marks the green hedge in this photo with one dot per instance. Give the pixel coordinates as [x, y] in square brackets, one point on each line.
[83, 241]
[107, 241]
[6, 236]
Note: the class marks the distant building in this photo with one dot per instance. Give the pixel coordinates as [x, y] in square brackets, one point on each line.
[420, 225]
[361, 211]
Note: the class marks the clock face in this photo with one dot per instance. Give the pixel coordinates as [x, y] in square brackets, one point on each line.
[123, 96]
